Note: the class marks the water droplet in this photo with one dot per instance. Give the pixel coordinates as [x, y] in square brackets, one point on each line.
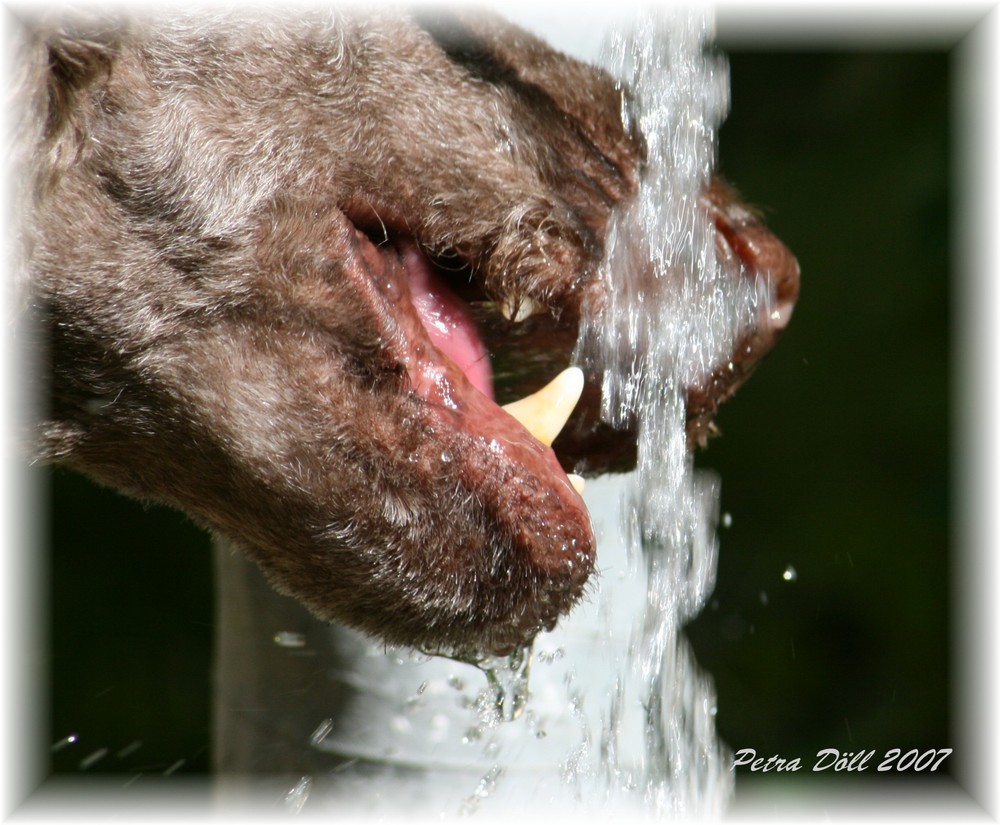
[92, 759]
[175, 767]
[507, 691]
[321, 732]
[446, 456]
[549, 656]
[390, 287]
[487, 785]
[534, 725]
[66, 740]
[727, 520]
[129, 749]
[287, 638]
[790, 574]
[297, 796]
[763, 598]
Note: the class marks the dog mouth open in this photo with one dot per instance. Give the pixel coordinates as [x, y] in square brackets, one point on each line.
[453, 331]
[491, 415]
[519, 547]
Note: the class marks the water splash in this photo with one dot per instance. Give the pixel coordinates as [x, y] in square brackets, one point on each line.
[506, 692]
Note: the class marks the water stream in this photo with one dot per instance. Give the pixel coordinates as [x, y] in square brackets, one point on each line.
[674, 315]
[611, 708]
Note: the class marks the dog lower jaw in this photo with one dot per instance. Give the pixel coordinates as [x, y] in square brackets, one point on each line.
[537, 549]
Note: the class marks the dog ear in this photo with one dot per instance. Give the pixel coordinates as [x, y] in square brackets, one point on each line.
[78, 54]
[57, 60]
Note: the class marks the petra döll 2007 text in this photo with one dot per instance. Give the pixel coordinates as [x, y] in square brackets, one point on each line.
[831, 759]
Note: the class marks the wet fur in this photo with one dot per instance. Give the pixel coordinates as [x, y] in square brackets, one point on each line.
[187, 281]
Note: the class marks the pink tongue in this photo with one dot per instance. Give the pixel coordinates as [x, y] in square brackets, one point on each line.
[447, 320]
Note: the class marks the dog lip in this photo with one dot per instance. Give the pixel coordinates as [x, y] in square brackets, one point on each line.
[449, 324]
[537, 549]
[452, 331]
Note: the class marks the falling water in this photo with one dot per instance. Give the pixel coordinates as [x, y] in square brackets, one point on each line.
[673, 311]
[674, 314]
[616, 712]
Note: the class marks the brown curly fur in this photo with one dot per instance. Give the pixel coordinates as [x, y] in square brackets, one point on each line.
[194, 286]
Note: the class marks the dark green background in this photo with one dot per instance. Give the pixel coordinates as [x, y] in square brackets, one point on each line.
[836, 455]
[835, 459]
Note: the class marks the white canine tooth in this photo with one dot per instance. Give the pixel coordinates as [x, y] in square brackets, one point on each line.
[544, 413]
[525, 309]
[577, 482]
